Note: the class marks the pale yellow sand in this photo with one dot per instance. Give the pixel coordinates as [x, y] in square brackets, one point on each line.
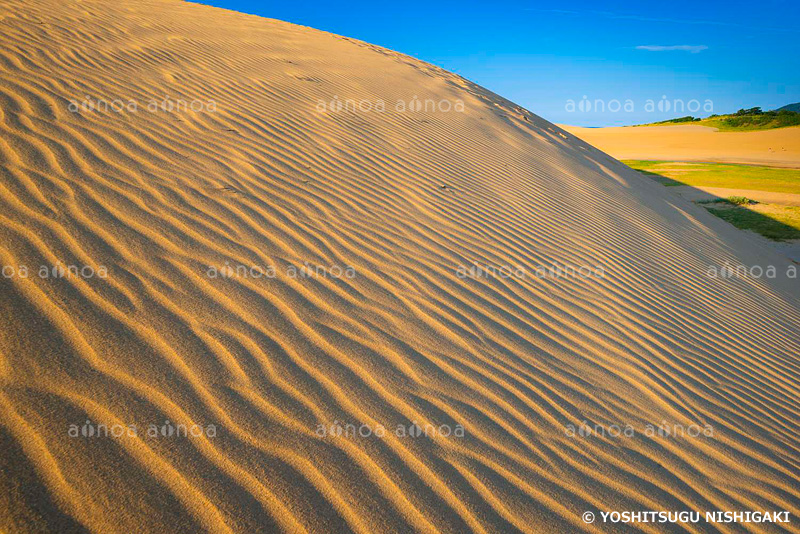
[700, 192]
[777, 148]
[404, 198]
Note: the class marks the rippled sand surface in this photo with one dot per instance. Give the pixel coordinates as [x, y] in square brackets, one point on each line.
[189, 229]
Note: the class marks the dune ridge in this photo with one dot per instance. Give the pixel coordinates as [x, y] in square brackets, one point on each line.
[165, 200]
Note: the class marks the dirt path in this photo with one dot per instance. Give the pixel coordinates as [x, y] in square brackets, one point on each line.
[697, 193]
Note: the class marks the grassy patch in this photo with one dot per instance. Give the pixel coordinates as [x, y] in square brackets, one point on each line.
[739, 201]
[744, 120]
[747, 122]
[753, 177]
[679, 120]
[779, 223]
[730, 201]
[770, 220]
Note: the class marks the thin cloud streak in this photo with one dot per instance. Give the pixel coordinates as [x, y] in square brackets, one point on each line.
[692, 49]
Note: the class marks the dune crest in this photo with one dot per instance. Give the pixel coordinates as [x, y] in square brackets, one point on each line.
[192, 231]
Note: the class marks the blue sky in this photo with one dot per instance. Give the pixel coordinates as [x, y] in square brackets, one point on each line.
[542, 55]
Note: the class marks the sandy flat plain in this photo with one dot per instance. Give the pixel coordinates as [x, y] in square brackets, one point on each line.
[267, 173]
[777, 148]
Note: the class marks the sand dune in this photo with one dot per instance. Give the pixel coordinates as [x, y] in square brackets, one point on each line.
[263, 173]
[777, 148]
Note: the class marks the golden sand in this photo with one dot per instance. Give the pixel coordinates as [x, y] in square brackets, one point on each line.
[262, 173]
[776, 148]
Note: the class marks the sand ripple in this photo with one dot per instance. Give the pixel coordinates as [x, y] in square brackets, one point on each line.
[266, 179]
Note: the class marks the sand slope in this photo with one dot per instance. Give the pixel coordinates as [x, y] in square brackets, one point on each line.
[777, 148]
[403, 198]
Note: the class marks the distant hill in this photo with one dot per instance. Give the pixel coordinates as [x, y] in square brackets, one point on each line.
[790, 107]
[744, 119]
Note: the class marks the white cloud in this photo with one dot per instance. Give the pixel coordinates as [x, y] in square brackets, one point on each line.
[692, 49]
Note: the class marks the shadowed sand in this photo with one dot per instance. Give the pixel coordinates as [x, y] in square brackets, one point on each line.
[776, 148]
[268, 178]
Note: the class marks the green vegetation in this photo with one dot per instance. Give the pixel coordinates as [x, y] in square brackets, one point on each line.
[754, 119]
[731, 201]
[687, 118]
[773, 221]
[779, 225]
[739, 201]
[742, 120]
[753, 177]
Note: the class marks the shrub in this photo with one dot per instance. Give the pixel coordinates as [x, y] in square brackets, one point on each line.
[739, 201]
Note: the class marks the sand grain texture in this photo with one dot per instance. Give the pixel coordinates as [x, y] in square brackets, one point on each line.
[405, 199]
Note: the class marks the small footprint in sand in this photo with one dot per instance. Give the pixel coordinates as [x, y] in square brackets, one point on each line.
[225, 190]
[308, 79]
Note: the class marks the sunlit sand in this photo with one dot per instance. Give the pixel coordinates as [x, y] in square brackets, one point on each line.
[778, 148]
[188, 326]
